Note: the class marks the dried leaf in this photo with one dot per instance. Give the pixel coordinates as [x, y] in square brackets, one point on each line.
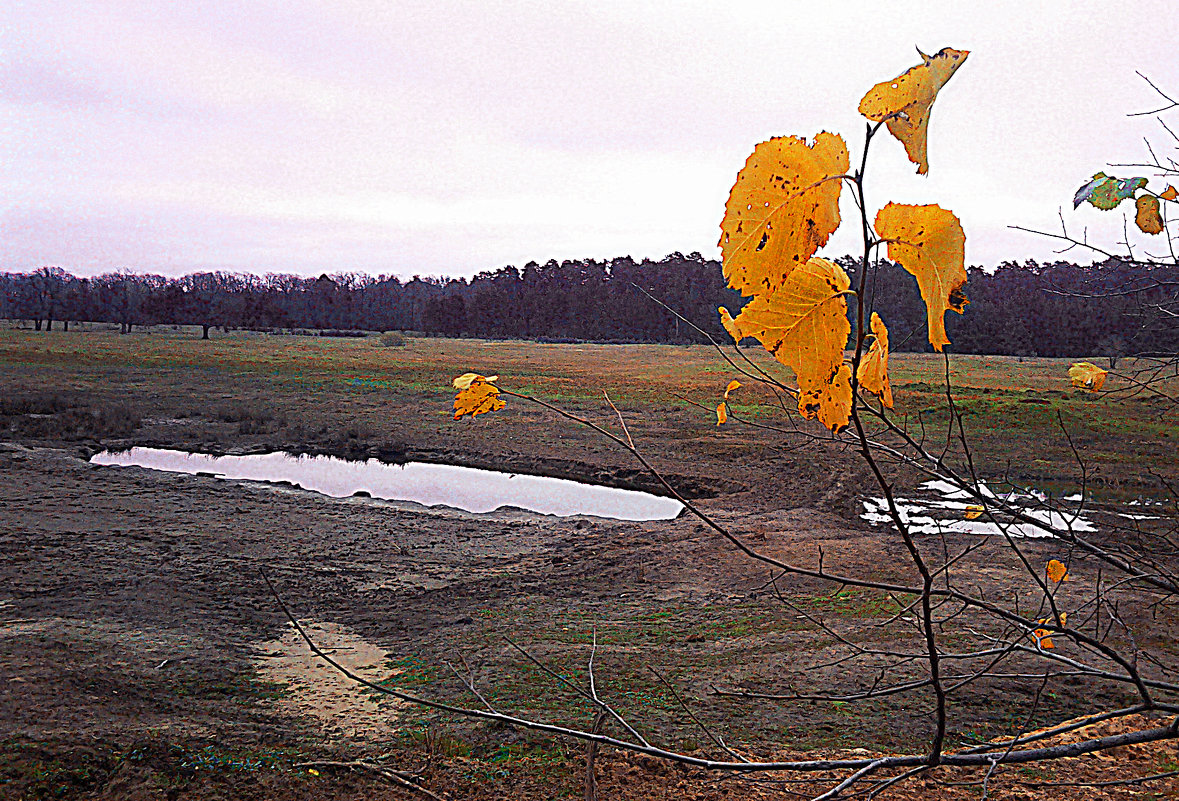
[722, 415]
[782, 209]
[478, 397]
[730, 326]
[1087, 375]
[732, 387]
[466, 379]
[1042, 639]
[910, 97]
[873, 372]
[804, 325]
[974, 512]
[1106, 192]
[1148, 219]
[1170, 193]
[928, 242]
[1056, 571]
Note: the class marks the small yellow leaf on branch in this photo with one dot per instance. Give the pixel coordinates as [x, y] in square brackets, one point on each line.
[466, 379]
[873, 372]
[1042, 639]
[804, 325]
[974, 512]
[1170, 193]
[733, 386]
[1087, 375]
[782, 209]
[731, 326]
[1056, 571]
[928, 242]
[722, 416]
[1148, 219]
[910, 97]
[478, 396]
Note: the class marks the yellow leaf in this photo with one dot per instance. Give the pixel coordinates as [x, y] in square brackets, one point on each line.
[1056, 570]
[1089, 376]
[928, 242]
[313, 771]
[478, 397]
[1170, 193]
[722, 416]
[730, 325]
[466, 379]
[910, 97]
[974, 512]
[1042, 639]
[1148, 219]
[804, 325]
[873, 372]
[732, 387]
[782, 209]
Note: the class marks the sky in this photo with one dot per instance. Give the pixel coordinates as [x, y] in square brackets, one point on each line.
[447, 138]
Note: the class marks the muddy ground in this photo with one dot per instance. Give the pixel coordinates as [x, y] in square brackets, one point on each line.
[142, 654]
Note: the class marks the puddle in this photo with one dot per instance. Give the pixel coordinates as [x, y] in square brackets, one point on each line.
[941, 508]
[315, 689]
[429, 484]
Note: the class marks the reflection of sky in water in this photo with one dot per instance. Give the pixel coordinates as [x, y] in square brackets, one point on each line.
[945, 512]
[429, 484]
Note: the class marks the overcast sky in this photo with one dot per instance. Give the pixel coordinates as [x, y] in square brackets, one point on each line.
[452, 137]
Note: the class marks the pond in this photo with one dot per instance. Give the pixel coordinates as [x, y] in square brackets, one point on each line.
[429, 484]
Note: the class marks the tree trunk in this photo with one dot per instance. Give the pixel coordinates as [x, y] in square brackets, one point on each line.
[37, 324]
[205, 331]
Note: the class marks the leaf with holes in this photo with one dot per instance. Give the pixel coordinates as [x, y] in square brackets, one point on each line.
[928, 242]
[906, 101]
[1106, 192]
[782, 209]
[804, 325]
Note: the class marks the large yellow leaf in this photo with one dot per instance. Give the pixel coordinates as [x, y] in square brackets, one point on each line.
[782, 209]
[873, 372]
[477, 397]
[804, 325]
[910, 96]
[1087, 375]
[928, 242]
[1056, 571]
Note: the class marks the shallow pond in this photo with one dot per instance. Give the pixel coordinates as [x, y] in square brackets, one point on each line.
[429, 484]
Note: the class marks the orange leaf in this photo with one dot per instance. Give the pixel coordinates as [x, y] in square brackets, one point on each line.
[1170, 193]
[733, 386]
[783, 207]
[873, 372]
[1042, 639]
[1056, 570]
[974, 511]
[928, 242]
[804, 325]
[1148, 219]
[478, 397]
[730, 325]
[722, 416]
[1089, 376]
[910, 97]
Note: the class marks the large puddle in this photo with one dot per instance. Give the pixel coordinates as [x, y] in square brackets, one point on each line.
[430, 484]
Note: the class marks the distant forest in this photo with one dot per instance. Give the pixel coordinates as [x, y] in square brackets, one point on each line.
[1029, 309]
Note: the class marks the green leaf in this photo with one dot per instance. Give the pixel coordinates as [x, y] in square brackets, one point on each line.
[1106, 192]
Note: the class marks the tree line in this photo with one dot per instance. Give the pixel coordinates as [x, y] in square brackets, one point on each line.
[1029, 309]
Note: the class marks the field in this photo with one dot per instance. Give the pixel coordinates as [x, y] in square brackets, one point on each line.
[141, 654]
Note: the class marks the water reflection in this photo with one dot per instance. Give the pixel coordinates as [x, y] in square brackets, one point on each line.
[429, 484]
